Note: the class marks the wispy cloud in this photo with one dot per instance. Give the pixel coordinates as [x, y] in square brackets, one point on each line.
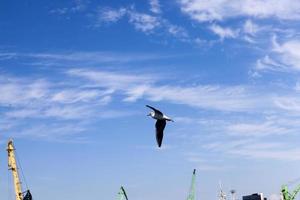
[148, 23]
[76, 6]
[143, 22]
[155, 6]
[254, 149]
[25, 100]
[250, 27]
[282, 57]
[258, 129]
[112, 80]
[219, 10]
[224, 32]
[88, 100]
[107, 14]
[223, 98]
[86, 58]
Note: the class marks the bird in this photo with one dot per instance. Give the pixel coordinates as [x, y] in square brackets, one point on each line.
[160, 124]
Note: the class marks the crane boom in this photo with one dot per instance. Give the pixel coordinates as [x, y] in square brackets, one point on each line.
[122, 194]
[289, 196]
[12, 165]
[192, 195]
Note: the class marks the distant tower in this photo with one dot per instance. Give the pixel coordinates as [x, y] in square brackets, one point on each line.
[222, 195]
[233, 192]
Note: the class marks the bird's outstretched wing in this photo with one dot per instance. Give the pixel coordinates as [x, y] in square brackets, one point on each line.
[154, 109]
[160, 126]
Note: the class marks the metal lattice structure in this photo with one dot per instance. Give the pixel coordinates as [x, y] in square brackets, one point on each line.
[286, 195]
[122, 194]
[222, 195]
[192, 193]
[12, 165]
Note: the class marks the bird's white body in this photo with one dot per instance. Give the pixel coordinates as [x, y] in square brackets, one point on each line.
[158, 116]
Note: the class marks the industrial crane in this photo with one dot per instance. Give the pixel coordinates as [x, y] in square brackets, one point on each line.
[286, 195]
[192, 192]
[12, 165]
[122, 194]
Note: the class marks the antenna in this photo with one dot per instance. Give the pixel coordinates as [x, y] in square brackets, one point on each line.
[233, 192]
[222, 195]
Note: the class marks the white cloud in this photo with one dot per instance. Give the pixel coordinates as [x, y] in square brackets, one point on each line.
[68, 111]
[209, 10]
[78, 6]
[250, 27]
[155, 6]
[235, 98]
[291, 104]
[110, 15]
[257, 152]
[136, 92]
[268, 64]
[143, 22]
[7, 56]
[224, 32]
[88, 58]
[289, 53]
[73, 95]
[112, 80]
[254, 149]
[19, 92]
[257, 129]
[59, 11]
[282, 57]
[35, 101]
[88, 94]
[175, 30]
[57, 132]
[23, 113]
[215, 97]
[222, 98]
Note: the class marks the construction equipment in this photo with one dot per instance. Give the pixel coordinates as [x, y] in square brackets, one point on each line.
[122, 194]
[12, 165]
[192, 193]
[286, 195]
[222, 195]
[233, 194]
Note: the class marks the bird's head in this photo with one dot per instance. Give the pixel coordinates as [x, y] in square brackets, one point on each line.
[151, 114]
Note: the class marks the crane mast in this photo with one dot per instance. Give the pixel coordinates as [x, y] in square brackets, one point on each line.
[12, 165]
[122, 194]
[192, 195]
[289, 196]
[222, 195]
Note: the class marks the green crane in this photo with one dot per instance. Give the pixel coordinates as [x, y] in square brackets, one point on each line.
[192, 192]
[286, 195]
[122, 194]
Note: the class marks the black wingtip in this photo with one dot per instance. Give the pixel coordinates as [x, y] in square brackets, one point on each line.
[194, 172]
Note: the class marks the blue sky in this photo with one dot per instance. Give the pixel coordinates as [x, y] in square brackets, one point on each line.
[75, 77]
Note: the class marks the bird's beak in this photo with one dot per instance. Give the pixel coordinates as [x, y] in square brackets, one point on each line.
[148, 114]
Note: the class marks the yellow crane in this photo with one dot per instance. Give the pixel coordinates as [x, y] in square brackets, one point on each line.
[12, 165]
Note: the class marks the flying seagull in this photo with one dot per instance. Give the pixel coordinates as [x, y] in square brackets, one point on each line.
[160, 123]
